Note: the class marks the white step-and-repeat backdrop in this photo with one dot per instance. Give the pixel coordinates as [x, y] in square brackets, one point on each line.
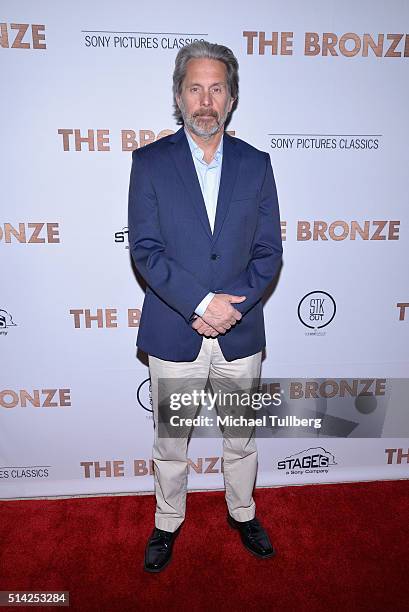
[324, 89]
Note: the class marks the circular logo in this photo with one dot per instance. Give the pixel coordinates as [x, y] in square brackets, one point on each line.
[144, 395]
[316, 309]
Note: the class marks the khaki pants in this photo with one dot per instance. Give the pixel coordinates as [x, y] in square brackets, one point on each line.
[170, 454]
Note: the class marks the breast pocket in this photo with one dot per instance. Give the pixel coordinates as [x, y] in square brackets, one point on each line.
[244, 207]
[249, 196]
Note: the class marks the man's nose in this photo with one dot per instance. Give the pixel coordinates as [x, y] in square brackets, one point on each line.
[206, 99]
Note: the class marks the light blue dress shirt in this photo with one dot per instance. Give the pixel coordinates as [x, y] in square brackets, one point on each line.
[209, 179]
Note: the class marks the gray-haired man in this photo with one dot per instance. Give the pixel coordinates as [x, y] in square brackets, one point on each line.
[204, 232]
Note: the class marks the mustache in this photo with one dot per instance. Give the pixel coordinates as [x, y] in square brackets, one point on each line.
[209, 113]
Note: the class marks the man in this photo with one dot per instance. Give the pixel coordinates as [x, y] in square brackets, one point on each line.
[204, 233]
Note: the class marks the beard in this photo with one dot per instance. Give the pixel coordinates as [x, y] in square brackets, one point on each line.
[204, 123]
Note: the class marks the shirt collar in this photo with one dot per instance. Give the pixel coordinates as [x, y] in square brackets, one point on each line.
[198, 153]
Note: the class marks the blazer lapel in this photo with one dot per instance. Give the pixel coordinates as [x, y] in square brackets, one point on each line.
[182, 157]
[230, 168]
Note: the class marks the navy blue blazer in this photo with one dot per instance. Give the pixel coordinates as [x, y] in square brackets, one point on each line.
[180, 259]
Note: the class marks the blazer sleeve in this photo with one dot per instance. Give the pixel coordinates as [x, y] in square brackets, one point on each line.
[266, 253]
[173, 284]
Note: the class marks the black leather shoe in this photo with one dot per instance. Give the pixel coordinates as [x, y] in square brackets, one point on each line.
[158, 551]
[254, 537]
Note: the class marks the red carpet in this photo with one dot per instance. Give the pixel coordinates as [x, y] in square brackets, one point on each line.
[340, 547]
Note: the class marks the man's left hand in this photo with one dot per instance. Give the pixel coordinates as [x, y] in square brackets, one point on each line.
[204, 329]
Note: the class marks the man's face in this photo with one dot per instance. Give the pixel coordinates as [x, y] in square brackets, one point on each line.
[205, 101]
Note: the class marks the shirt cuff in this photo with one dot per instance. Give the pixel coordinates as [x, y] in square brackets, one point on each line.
[201, 308]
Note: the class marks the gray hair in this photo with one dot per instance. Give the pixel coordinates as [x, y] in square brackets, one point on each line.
[199, 50]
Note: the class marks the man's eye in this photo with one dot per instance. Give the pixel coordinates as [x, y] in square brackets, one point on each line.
[216, 90]
[194, 89]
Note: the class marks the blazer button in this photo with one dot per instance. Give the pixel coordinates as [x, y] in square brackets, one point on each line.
[214, 256]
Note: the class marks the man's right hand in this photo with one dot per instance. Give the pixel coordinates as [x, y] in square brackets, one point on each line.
[220, 313]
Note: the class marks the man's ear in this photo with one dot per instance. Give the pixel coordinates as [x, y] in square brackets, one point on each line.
[232, 101]
[178, 100]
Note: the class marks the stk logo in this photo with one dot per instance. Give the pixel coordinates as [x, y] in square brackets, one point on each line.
[316, 309]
